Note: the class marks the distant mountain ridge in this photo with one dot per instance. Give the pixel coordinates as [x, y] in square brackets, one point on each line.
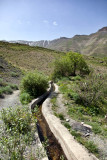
[94, 44]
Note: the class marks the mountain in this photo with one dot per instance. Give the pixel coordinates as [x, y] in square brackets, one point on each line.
[94, 44]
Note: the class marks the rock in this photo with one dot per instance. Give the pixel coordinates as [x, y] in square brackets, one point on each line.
[87, 126]
[82, 123]
[87, 134]
[101, 62]
[67, 120]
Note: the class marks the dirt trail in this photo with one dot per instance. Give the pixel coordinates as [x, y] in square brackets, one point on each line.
[10, 100]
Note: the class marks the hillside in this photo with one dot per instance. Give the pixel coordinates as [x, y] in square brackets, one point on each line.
[9, 73]
[94, 44]
[29, 58]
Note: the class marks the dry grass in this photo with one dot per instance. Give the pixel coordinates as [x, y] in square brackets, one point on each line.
[29, 58]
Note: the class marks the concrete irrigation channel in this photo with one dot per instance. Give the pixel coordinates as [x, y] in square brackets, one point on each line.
[60, 143]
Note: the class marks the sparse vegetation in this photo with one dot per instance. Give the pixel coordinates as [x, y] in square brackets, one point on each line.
[6, 88]
[29, 58]
[16, 132]
[92, 92]
[88, 144]
[13, 74]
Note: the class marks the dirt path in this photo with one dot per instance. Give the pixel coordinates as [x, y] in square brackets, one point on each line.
[10, 100]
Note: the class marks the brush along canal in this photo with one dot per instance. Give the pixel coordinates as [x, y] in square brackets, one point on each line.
[60, 144]
[53, 148]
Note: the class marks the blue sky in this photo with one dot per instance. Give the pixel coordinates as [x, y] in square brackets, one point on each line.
[50, 19]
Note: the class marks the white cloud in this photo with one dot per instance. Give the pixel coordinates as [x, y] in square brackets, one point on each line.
[55, 23]
[45, 21]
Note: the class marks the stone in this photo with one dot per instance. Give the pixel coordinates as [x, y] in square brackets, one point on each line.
[67, 120]
[87, 134]
[82, 123]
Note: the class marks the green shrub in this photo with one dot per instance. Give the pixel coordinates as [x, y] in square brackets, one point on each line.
[76, 78]
[74, 96]
[92, 91]
[62, 68]
[67, 125]
[91, 147]
[34, 83]
[13, 74]
[96, 128]
[18, 119]
[69, 65]
[1, 92]
[7, 90]
[1, 81]
[16, 132]
[78, 63]
[25, 98]
[61, 116]
[2, 84]
[13, 86]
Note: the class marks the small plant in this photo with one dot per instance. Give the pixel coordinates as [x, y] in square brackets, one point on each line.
[76, 78]
[61, 116]
[67, 125]
[91, 147]
[92, 92]
[7, 90]
[25, 98]
[88, 144]
[96, 128]
[1, 81]
[13, 86]
[16, 132]
[14, 74]
[74, 96]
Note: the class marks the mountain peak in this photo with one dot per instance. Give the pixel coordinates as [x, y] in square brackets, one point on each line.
[102, 29]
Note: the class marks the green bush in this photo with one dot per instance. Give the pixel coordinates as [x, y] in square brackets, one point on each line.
[16, 132]
[61, 116]
[34, 83]
[78, 63]
[76, 78]
[13, 74]
[25, 98]
[7, 90]
[1, 92]
[13, 86]
[1, 81]
[74, 96]
[18, 119]
[70, 65]
[67, 125]
[92, 92]
[62, 68]
[2, 84]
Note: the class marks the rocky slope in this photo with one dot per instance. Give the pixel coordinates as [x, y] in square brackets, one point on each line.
[94, 44]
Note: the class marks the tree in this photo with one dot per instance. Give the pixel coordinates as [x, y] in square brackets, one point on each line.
[69, 64]
[77, 63]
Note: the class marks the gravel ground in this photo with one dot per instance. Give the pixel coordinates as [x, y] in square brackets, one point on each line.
[10, 100]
